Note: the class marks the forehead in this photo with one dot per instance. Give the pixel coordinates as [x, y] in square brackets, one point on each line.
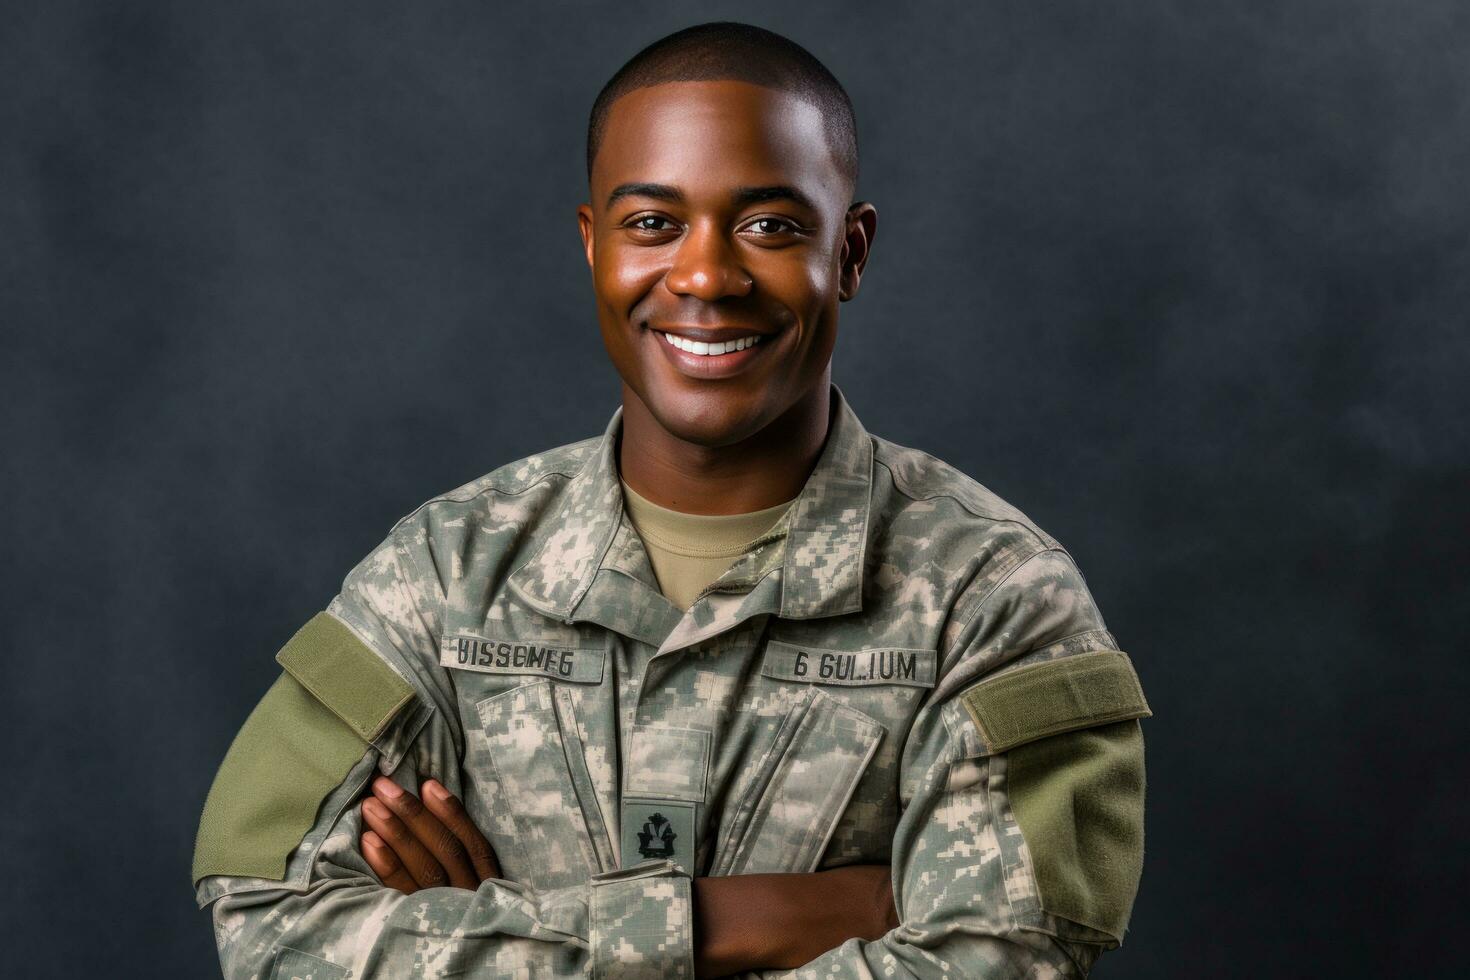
[726, 133]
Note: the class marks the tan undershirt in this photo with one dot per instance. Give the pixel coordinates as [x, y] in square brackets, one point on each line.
[689, 551]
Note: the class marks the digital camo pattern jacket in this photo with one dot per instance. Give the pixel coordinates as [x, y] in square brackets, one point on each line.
[905, 670]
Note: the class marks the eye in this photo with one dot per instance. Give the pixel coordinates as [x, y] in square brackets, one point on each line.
[650, 223]
[771, 226]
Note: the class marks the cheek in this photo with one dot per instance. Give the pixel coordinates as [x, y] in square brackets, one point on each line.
[806, 276]
[823, 282]
[805, 282]
[625, 275]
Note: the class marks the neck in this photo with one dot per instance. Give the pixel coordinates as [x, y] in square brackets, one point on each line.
[767, 468]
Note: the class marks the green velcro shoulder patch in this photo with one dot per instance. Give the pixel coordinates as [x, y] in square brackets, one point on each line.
[289, 755]
[330, 661]
[302, 740]
[1078, 799]
[1055, 696]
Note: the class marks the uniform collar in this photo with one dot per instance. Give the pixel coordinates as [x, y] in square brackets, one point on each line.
[819, 544]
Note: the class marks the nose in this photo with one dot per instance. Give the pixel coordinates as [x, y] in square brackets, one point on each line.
[706, 267]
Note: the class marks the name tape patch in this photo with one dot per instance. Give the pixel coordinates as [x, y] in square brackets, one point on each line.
[577, 665]
[880, 665]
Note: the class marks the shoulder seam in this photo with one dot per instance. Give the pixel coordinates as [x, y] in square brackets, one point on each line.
[980, 603]
[492, 488]
[909, 492]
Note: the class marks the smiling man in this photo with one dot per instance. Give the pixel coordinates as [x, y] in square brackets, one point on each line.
[735, 686]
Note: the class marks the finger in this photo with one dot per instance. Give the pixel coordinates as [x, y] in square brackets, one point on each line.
[385, 864]
[429, 831]
[447, 807]
[426, 871]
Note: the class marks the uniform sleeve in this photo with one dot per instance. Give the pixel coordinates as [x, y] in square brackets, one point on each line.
[277, 856]
[1020, 846]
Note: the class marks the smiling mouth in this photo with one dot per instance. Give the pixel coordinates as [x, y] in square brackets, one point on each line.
[708, 360]
[715, 349]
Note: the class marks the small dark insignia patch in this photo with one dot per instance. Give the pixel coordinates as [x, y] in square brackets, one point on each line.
[669, 831]
[656, 839]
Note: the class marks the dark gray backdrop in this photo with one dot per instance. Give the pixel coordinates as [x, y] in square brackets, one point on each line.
[1185, 282]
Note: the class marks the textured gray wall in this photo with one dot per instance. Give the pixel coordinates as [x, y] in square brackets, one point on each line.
[1185, 282]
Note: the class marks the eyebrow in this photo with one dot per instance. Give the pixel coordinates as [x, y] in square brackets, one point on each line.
[776, 192]
[742, 196]
[662, 192]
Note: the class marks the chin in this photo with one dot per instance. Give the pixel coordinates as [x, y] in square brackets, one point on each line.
[710, 421]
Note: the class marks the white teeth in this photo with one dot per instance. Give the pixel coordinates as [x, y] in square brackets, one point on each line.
[699, 347]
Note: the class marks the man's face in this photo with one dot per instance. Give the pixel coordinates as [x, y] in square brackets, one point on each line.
[719, 214]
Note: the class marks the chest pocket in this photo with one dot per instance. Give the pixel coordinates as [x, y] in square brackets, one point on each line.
[549, 827]
[800, 789]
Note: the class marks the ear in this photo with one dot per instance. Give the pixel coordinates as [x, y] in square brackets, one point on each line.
[857, 244]
[584, 225]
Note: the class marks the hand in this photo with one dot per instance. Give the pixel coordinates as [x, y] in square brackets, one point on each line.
[783, 921]
[430, 843]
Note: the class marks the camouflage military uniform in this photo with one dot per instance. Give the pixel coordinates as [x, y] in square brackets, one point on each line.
[905, 669]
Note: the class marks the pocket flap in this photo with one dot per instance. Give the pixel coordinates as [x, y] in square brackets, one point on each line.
[667, 763]
[328, 659]
[1055, 696]
[809, 774]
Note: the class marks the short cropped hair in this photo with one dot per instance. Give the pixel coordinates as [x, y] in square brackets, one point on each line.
[723, 50]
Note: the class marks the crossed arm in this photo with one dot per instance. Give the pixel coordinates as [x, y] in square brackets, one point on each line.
[965, 873]
[742, 922]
